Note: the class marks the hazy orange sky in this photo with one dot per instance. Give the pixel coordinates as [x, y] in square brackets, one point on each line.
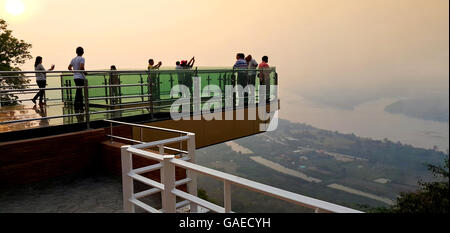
[312, 40]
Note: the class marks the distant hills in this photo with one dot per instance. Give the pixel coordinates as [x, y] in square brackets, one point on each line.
[435, 109]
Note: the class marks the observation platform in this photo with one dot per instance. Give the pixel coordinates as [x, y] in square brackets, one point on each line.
[130, 96]
[41, 142]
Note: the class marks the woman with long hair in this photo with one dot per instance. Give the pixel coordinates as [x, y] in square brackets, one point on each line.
[41, 79]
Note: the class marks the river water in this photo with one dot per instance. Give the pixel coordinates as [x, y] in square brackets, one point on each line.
[368, 119]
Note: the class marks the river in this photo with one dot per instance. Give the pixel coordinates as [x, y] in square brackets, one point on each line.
[368, 119]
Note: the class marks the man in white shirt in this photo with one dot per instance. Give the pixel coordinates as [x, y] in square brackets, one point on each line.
[78, 63]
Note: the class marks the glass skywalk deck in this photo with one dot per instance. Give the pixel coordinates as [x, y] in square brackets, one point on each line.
[121, 94]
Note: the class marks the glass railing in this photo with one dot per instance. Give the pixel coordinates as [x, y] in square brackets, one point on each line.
[115, 94]
[134, 87]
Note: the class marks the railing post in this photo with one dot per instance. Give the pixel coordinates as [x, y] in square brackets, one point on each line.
[45, 96]
[192, 186]
[66, 91]
[227, 196]
[70, 92]
[127, 182]
[169, 200]
[0, 92]
[171, 81]
[110, 90]
[120, 90]
[234, 80]
[181, 147]
[106, 88]
[276, 78]
[111, 131]
[63, 84]
[150, 92]
[142, 87]
[86, 102]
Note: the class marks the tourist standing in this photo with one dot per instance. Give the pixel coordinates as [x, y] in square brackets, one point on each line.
[241, 78]
[185, 77]
[114, 80]
[154, 79]
[264, 76]
[252, 65]
[41, 79]
[78, 63]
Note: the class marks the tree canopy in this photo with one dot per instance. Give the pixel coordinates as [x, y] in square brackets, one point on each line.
[432, 197]
[13, 53]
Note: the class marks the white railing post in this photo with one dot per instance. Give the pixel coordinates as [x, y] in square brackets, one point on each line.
[169, 200]
[192, 186]
[127, 181]
[227, 196]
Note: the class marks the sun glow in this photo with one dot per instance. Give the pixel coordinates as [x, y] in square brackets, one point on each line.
[14, 7]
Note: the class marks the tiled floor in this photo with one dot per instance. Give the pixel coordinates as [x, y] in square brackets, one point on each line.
[93, 194]
[30, 111]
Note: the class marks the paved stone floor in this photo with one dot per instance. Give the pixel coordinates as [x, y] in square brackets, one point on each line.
[87, 193]
[74, 194]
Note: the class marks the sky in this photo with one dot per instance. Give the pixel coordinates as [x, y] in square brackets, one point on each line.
[313, 43]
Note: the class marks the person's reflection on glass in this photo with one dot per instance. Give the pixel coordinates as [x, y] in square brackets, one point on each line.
[42, 111]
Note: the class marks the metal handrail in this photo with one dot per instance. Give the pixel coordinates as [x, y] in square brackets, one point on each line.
[147, 127]
[39, 89]
[168, 185]
[94, 72]
[304, 201]
[65, 88]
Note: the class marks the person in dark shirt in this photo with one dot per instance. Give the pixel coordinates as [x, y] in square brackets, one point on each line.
[185, 77]
[264, 76]
[114, 80]
[188, 65]
[240, 62]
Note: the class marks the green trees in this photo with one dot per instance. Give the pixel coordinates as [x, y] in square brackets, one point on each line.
[13, 52]
[201, 193]
[431, 198]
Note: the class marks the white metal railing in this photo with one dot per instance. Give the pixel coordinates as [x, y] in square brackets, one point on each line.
[168, 185]
[167, 172]
[141, 129]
